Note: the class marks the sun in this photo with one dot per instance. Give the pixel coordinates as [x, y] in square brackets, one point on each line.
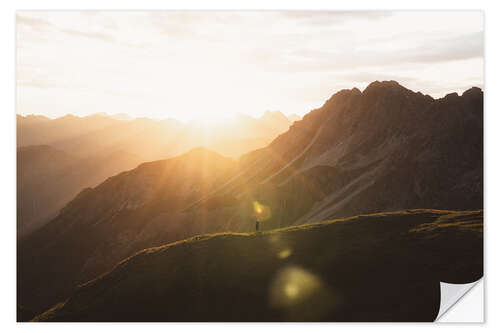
[211, 119]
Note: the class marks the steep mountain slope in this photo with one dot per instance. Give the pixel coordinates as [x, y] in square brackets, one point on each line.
[384, 149]
[381, 267]
[48, 178]
[128, 212]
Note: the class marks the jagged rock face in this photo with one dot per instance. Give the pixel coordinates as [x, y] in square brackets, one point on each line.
[389, 148]
[386, 148]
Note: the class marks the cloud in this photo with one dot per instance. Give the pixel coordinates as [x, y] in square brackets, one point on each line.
[33, 22]
[42, 25]
[290, 60]
[42, 84]
[462, 47]
[329, 18]
[457, 48]
[180, 24]
[87, 34]
[372, 76]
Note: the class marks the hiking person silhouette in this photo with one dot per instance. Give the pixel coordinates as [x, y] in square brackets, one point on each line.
[257, 225]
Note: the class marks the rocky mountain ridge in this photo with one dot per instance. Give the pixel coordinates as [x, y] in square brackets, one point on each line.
[384, 149]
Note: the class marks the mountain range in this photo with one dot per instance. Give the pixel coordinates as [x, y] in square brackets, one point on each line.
[150, 139]
[56, 158]
[384, 149]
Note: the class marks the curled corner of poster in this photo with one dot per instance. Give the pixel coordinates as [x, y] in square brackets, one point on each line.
[460, 304]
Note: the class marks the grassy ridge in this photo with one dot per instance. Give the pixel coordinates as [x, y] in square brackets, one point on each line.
[377, 267]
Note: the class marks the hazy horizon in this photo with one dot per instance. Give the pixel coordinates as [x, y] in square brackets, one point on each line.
[126, 116]
[208, 64]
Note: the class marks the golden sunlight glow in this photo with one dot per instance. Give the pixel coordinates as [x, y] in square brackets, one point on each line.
[212, 119]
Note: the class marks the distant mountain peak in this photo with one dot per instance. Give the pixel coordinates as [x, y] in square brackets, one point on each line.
[473, 92]
[68, 116]
[451, 95]
[32, 117]
[121, 116]
[356, 91]
[384, 85]
[344, 93]
[274, 115]
[203, 153]
[200, 150]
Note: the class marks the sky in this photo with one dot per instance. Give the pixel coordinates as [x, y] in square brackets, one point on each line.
[213, 64]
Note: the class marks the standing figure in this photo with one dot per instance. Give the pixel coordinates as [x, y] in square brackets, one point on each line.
[257, 225]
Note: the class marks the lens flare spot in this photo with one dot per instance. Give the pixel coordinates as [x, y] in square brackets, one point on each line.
[261, 212]
[283, 254]
[291, 290]
[301, 295]
[293, 285]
